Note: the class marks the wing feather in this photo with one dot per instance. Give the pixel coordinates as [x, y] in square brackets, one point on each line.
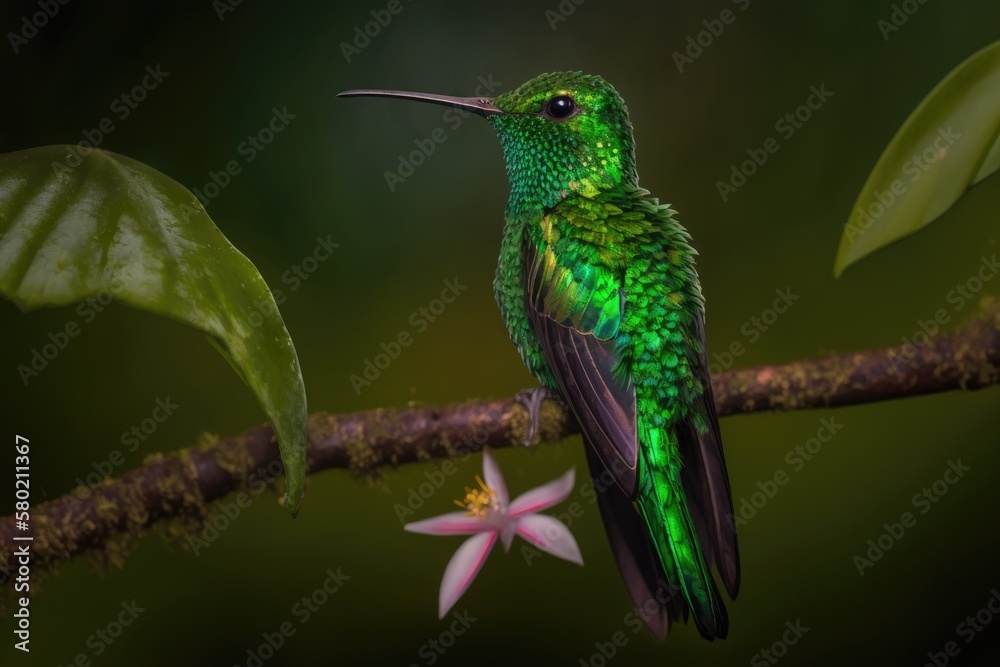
[584, 365]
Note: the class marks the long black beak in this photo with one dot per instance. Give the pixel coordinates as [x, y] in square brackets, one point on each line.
[482, 106]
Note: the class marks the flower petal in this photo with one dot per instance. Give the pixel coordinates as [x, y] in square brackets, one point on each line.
[544, 496]
[453, 523]
[494, 478]
[550, 535]
[463, 568]
[508, 529]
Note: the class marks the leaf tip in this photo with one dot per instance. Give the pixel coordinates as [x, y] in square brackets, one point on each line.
[293, 505]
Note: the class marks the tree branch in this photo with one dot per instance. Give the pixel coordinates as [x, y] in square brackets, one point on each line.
[184, 484]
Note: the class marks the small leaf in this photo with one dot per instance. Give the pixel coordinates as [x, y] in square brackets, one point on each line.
[947, 145]
[74, 226]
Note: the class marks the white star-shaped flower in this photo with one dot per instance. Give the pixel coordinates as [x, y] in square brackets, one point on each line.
[490, 515]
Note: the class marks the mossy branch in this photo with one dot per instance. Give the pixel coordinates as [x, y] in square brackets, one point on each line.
[186, 483]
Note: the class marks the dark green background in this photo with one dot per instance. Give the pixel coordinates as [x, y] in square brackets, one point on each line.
[324, 176]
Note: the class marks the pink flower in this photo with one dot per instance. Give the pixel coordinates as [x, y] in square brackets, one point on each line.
[491, 514]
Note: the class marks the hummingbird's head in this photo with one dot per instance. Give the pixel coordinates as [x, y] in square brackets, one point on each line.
[562, 133]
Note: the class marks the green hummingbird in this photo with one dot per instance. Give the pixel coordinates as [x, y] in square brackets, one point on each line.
[597, 286]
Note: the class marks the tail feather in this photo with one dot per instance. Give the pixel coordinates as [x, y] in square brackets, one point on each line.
[706, 481]
[706, 486]
[635, 554]
[662, 504]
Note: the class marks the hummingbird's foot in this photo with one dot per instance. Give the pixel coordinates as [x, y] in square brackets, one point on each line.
[532, 399]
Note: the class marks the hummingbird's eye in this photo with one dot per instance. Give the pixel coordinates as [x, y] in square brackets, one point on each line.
[559, 107]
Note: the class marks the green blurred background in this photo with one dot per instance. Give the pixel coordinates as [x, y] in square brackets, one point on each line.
[323, 176]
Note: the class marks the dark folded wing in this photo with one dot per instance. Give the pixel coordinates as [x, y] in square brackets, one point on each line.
[575, 314]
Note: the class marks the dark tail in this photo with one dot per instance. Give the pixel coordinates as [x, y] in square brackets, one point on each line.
[658, 603]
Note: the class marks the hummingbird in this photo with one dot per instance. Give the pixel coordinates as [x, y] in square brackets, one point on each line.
[597, 287]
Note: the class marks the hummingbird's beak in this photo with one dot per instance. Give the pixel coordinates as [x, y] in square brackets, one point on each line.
[482, 106]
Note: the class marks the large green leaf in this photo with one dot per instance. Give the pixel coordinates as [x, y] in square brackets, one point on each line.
[73, 227]
[947, 145]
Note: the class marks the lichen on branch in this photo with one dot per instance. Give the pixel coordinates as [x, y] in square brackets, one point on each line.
[186, 483]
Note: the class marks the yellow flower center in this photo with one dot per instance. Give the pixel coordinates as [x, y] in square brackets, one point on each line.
[478, 501]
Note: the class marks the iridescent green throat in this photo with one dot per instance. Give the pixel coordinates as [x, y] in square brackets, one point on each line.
[590, 151]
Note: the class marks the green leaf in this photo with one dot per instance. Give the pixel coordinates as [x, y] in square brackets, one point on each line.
[74, 226]
[947, 145]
